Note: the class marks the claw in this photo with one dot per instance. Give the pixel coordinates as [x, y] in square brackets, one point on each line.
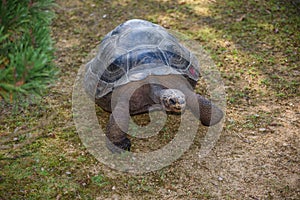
[119, 147]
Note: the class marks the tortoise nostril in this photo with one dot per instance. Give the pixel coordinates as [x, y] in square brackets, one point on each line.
[172, 101]
[181, 101]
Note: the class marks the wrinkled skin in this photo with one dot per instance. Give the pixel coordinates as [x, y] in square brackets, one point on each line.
[173, 96]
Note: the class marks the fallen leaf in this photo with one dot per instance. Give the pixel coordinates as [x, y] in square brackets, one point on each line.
[19, 83]
[241, 18]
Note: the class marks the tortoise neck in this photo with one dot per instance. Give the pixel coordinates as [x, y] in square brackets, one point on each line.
[156, 91]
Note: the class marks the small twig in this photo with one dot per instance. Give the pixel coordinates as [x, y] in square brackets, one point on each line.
[16, 156]
[242, 138]
[29, 141]
[44, 122]
[17, 133]
[4, 147]
[68, 125]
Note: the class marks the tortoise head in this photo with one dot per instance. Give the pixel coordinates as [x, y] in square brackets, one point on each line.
[173, 100]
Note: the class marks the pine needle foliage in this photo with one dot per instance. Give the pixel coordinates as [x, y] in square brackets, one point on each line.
[26, 50]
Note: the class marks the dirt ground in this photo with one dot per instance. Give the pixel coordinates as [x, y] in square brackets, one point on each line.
[255, 46]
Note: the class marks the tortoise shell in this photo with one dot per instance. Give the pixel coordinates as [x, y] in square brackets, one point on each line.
[133, 51]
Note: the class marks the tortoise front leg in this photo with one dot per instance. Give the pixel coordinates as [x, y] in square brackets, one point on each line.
[205, 110]
[117, 128]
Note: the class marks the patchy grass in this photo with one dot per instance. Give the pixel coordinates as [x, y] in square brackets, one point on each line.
[255, 45]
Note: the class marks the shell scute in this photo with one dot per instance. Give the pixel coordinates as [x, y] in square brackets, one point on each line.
[135, 50]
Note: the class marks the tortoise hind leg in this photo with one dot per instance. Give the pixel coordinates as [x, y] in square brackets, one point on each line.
[117, 139]
[117, 128]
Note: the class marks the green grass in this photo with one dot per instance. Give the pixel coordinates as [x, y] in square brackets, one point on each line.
[26, 53]
[254, 44]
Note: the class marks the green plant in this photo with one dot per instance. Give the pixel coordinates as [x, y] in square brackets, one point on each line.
[26, 50]
[99, 180]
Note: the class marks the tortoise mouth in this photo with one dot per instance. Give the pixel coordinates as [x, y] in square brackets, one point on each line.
[175, 109]
[175, 112]
[179, 108]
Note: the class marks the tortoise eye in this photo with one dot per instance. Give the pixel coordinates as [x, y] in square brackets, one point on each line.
[172, 101]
